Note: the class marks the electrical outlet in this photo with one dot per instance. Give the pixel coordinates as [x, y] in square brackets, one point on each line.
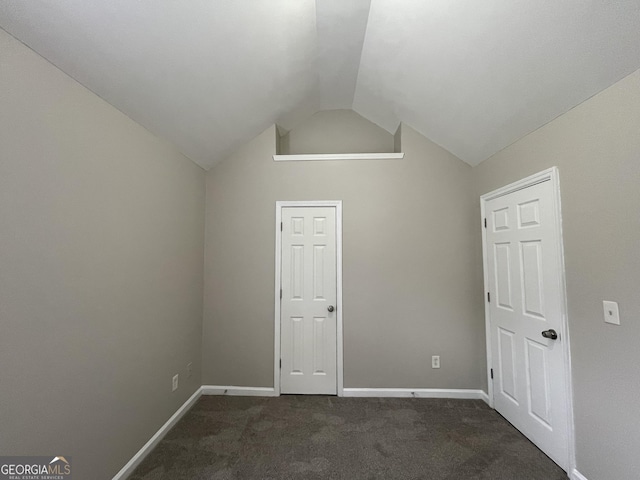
[189, 369]
[611, 312]
[174, 385]
[435, 361]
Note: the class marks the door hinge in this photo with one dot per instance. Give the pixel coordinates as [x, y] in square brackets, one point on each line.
[485, 223]
[489, 297]
[281, 226]
[281, 367]
[492, 373]
[280, 294]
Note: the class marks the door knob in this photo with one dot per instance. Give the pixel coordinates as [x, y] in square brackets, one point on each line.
[550, 334]
[330, 308]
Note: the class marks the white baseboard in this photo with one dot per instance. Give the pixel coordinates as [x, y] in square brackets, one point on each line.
[576, 475]
[239, 391]
[159, 435]
[484, 396]
[416, 393]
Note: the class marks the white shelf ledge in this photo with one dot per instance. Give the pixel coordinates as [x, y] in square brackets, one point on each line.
[337, 156]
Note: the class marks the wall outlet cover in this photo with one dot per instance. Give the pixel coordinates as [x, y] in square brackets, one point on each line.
[435, 361]
[611, 312]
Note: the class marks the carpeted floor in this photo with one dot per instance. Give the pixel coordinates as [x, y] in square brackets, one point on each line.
[308, 437]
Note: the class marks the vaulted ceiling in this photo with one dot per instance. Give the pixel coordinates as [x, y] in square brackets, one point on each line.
[209, 75]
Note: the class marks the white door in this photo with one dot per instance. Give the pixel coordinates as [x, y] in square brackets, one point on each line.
[308, 345]
[522, 252]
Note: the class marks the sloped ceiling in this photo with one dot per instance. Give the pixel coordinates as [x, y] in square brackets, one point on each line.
[475, 76]
[209, 75]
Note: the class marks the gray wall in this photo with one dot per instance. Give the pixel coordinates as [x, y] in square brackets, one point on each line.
[409, 265]
[597, 149]
[102, 246]
[100, 271]
[336, 131]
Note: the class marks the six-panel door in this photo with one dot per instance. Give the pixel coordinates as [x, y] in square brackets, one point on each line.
[522, 250]
[308, 327]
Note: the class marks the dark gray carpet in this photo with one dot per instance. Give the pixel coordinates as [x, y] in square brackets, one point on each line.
[307, 437]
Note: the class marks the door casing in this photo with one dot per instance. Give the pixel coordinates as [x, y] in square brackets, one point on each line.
[551, 175]
[278, 282]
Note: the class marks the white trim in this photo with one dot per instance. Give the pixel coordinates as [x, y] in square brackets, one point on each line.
[277, 286]
[555, 179]
[487, 323]
[550, 174]
[157, 437]
[576, 475]
[485, 397]
[338, 156]
[415, 393]
[234, 391]
[339, 338]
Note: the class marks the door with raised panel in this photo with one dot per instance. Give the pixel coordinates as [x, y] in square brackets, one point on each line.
[308, 344]
[522, 252]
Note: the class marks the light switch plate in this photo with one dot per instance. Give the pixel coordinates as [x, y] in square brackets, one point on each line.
[435, 361]
[611, 312]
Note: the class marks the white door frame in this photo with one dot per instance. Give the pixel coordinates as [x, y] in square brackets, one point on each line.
[551, 175]
[276, 356]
